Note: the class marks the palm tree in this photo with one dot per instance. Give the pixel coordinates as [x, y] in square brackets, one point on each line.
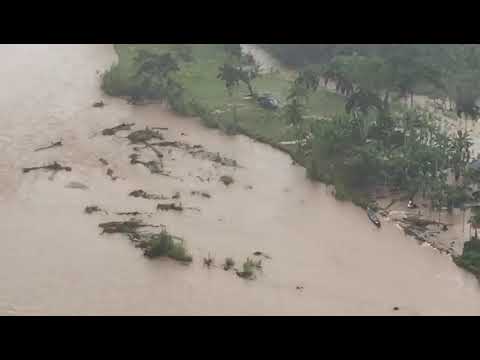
[231, 76]
[308, 79]
[460, 152]
[294, 111]
[333, 72]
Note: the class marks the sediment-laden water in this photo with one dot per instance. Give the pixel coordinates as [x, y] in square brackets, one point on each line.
[53, 259]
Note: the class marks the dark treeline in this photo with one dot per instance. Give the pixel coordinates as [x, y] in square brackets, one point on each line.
[304, 54]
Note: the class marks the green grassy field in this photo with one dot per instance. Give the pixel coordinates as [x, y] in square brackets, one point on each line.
[199, 78]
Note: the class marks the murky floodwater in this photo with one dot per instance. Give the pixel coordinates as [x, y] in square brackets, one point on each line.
[53, 260]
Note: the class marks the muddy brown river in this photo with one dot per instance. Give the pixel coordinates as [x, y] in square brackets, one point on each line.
[53, 260]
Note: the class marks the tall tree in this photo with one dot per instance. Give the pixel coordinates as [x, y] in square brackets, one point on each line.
[154, 73]
[231, 75]
[460, 152]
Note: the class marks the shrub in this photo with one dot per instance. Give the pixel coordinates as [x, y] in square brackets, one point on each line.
[248, 269]
[163, 244]
[470, 259]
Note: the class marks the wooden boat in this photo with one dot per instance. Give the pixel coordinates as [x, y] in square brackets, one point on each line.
[373, 217]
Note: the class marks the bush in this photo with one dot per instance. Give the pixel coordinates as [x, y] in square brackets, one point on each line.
[112, 82]
[249, 267]
[184, 52]
[163, 244]
[179, 253]
[197, 109]
[229, 127]
[470, 259]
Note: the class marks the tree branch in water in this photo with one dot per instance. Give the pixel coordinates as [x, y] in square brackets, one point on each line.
[52, 167]
[58, 143]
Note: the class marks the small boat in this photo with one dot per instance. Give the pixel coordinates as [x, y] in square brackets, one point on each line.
[373, 217]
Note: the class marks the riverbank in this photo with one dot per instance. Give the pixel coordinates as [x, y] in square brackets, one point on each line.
[205, 96]
[214, 106]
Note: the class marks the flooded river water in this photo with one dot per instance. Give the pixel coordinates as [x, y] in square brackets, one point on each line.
[53, 260]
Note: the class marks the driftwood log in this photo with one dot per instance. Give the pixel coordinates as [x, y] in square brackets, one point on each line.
[52, 145]
[52, 167]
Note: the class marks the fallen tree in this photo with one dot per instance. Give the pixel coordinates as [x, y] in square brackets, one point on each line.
[124, 227]
[142, 194]
[115, 129]
[141, 136]
[52, 145]
[52, 167]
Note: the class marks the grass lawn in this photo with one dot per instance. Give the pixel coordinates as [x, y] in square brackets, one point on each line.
[199, 78]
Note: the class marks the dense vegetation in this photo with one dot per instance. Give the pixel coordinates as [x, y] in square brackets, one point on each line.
[363, 135]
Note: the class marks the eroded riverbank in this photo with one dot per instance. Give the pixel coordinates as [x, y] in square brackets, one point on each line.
[53, 260]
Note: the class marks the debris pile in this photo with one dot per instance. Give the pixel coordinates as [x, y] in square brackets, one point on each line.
[142, 194]
[115, 129]
[226, 179]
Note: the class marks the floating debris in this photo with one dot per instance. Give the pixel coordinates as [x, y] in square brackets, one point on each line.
[142, 194]
[226, 179]
[176, 195]
[91, 209]
[170, 206]
[201, 193]
[98, 104]
[163, 244]
[103, 161]
[141, 136]
[153, 166]
[208, 261]
[229, 264]
[52, 145]
[125, 227]
[259, 253]
[248, 272]
[115, 129]
[194, 150]
[157, 152]
[52, 167]
[132, 213]
[76, 185]
[110, 174]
